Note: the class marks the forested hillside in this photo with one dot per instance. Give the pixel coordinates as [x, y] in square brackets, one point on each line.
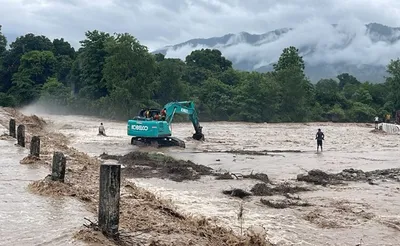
[114, 76]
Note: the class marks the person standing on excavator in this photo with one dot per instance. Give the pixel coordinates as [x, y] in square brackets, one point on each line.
[163, 114]
[319, 136]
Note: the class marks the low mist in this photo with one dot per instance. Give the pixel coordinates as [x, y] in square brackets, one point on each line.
[43, 108]
[348, 42]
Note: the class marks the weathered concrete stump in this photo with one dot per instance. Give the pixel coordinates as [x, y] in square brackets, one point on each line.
[35, 146]
[108, 218]
[12, 128]
[21, 135]
[58, 167]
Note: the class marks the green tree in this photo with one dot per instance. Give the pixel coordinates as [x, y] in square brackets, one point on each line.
[131, 67]
[91, 61]
[296, 90]
[327, 91]
[257, 98]
[159, 57]
[38, 65]
[216, 98]
[230, 77]
[63, 68]
[393, 81]
[54, 93]
[379, 93]
[347, 79]
[24, 90]
[209, 59]
[170, 83]
[22, 45]
[289, 59]
[7, 100]
[362, 95]
[361, 112]
[336, 113]
[63, 48]
[3, 43]
[196, 75]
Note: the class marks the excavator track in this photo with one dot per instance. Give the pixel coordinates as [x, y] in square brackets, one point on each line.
[158, 142]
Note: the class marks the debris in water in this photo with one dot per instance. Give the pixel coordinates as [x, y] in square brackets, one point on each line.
[263, 189]
[93, 237]
[237, 193]
[53, 188]
[316, 217]
[319, 177]
[377, 131]
[105, 156]
[33, 122]
[258, 176]
[339, 214]
[6, 136]
[281, 204]
[224, 176]
[150, 165]
[30, 159]
[252, 152]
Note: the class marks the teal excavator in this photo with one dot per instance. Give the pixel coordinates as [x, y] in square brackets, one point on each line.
[155, 128]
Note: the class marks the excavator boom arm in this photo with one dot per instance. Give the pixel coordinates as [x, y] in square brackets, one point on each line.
[188, 108]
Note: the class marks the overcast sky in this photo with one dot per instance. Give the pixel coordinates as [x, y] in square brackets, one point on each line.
[162, 22]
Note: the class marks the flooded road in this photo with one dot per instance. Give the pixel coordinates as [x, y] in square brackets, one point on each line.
[28, 219]
[340, 215]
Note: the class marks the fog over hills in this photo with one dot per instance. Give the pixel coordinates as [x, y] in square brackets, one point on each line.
[363, 50]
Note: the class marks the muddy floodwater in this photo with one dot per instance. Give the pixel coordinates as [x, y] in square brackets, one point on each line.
[28, 219]
[340, 215]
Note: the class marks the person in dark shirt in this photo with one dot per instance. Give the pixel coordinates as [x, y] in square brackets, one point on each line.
[320, 136]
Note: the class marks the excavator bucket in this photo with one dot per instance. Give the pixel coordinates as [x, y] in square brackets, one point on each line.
[198, 136]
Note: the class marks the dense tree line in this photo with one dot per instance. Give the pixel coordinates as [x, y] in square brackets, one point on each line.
[114, 76]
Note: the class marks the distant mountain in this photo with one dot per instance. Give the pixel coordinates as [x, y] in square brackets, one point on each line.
[328, 50]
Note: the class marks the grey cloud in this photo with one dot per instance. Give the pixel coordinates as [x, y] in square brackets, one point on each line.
[348, 42]
[162, 22]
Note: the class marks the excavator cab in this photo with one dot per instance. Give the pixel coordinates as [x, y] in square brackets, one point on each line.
[153, 112]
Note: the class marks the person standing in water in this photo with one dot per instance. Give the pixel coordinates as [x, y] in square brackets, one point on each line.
[102, 131]
[319, 136]
[376, 122]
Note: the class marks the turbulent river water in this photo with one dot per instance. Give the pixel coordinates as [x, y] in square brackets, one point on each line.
[28, 219]
[340, 215]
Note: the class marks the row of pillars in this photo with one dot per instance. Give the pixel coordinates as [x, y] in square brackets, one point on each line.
[110, 181]
[19, 133]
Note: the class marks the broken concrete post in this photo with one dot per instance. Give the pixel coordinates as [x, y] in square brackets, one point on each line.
[21, 135]
[35, 146]
[12, 128]
[108, 217]
[58, 167]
